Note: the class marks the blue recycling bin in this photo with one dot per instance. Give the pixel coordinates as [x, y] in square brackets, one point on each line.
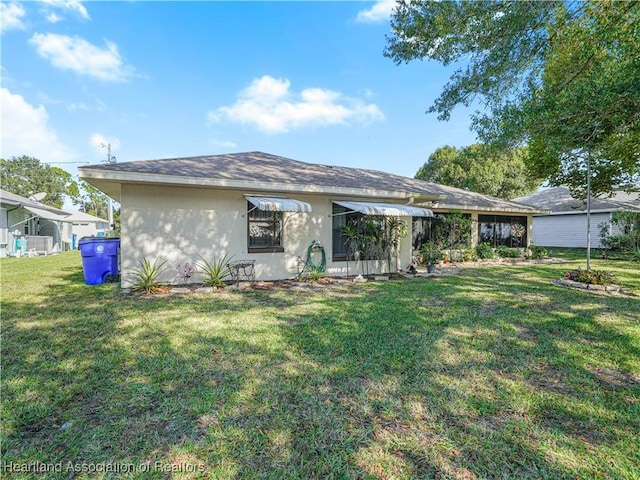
[99, 258]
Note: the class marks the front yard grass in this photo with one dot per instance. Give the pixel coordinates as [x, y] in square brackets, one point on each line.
[495, 373]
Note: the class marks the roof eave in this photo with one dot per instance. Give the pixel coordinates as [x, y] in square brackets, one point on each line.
[584, 212]
[481, 208]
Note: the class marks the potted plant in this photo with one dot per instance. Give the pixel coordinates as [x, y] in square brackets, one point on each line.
[430, 253]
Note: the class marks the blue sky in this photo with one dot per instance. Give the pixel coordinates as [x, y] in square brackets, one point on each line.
[305, 80]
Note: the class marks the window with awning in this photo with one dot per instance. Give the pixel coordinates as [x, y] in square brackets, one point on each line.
[362, 217]
[265, 221]
[274, 204]
[385, 209]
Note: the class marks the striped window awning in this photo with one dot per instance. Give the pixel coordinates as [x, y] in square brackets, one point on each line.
[386, 209]
[272, 204]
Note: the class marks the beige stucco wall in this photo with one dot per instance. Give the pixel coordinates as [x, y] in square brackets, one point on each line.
[178, 224]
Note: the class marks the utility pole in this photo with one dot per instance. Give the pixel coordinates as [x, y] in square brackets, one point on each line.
[110, 159]
[589, 208]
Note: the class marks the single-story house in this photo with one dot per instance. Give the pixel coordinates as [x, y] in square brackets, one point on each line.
[565, 225]
[270, 209]
[29, 227]
[85, 225]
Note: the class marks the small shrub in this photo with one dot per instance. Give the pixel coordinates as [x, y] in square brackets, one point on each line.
[593, 277]
[615, 242]
[146, 276]
[468, 255]
[635, 254]
[506, 252]
[431, 252]
[214, 271]
[484, 251]
[539, 252]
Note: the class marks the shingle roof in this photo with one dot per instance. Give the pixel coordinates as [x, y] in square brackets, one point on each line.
[266, 168]
[78, 216]
[627, 197]
[559, 199]
[69, 215]
[17, 200]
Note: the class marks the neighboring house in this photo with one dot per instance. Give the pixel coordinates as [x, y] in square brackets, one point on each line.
[28, 227]
[269, 209]
[566, 224]
[85, 225]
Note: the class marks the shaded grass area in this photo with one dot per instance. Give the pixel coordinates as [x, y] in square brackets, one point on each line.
[495, 373]
[572, 253]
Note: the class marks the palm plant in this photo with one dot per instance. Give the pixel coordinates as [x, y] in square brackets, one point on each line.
[372, 236]
[352, 240]
[214, 271]
[146, 275]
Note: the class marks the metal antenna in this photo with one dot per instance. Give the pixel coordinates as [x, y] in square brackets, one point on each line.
[110, 160]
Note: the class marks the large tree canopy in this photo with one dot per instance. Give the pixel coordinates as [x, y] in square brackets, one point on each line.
[480, 169]
[562, 77]
[26, 176]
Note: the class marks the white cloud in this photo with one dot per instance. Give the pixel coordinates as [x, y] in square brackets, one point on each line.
[77, 107]
[82, 57]
[53, 17]
[71, 5]
[269, 105]
[25, 131]
[380, 12]
[11, 17]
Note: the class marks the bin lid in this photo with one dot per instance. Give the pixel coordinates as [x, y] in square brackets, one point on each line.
[98, 240]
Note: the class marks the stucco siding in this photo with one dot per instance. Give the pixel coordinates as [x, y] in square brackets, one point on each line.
[178, 224]
[567, 230]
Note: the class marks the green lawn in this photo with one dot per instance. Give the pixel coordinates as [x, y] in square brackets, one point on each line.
[495, 373]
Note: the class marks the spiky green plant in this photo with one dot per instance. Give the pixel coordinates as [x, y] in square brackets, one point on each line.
[215, 271]
[146, 275]
[315, 275]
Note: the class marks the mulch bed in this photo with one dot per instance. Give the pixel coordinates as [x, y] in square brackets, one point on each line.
[308, 285]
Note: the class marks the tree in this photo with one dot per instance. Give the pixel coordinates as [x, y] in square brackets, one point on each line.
[26, 176]
[481, 169]
[562, 77]
[441, 167]
[92, 201]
